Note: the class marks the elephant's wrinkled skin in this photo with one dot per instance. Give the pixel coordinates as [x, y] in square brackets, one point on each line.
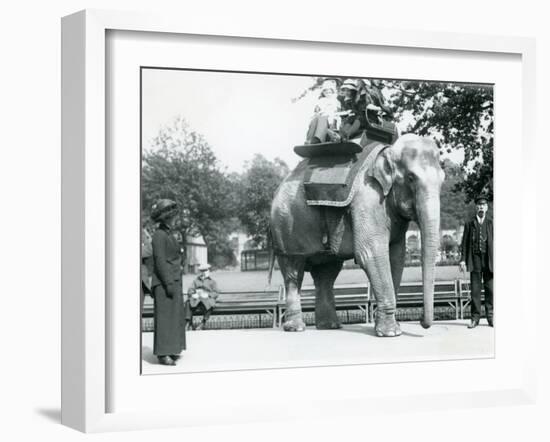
[404, 185]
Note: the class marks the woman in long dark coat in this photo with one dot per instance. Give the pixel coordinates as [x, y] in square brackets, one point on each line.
[169, 332]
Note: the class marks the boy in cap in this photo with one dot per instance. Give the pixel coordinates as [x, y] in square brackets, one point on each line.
[376, 102]
[353, 109]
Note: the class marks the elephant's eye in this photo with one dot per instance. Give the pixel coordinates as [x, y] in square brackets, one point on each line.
[411, 177]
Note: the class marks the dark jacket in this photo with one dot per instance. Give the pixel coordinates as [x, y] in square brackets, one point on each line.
[469, 236]
[166, 258]
[375, 96]
[358, 107]
[207, 285]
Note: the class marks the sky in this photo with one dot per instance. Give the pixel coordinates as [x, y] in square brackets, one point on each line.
[238, 114]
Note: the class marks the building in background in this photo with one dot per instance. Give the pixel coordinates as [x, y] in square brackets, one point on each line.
[240, 241]
[448, 250]
[196, 253]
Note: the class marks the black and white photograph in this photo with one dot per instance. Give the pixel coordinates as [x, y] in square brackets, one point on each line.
[275, 221]
[310, 220]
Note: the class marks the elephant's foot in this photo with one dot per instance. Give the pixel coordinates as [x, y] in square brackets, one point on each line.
[328, 325]
[325, 316]
[327, 320]
[387, 326]
[294, 325]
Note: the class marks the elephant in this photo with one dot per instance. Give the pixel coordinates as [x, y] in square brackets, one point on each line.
[403, 185]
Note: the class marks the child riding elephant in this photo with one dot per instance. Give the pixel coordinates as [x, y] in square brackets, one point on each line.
[324, 122]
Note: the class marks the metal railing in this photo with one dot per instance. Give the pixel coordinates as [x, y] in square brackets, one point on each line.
[451, 301]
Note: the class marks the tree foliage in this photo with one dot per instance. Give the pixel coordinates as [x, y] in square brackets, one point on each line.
[259, 182]
[448, 245]
[454, 210]
[459, 117]
[183, 167]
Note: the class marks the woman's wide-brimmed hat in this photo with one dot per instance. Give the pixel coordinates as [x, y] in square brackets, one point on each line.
[349, 84]
[204, 267]
[162, 209]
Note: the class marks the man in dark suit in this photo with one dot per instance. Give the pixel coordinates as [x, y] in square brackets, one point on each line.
[477, 257]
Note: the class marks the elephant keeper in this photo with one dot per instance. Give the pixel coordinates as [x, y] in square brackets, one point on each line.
[477, 257]
[202, 296]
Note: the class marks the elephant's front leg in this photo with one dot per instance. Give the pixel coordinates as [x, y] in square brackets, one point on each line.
[292, 268]
[379, 274]
[375, 261]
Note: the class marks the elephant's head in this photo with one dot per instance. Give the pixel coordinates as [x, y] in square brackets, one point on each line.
[411, 176]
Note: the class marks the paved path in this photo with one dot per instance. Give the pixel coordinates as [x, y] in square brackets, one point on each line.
[214, 350]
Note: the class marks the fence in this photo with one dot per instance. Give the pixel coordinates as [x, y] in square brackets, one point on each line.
[254, 260]
[405, 312]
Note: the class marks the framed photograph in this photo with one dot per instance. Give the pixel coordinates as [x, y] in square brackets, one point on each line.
[251, 213]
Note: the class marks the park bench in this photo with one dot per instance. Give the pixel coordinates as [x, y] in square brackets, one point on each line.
[265, 301]
[454, 293]
[345, 297]
[411, 294]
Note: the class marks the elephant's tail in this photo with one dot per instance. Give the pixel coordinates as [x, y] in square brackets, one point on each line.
[271, 256]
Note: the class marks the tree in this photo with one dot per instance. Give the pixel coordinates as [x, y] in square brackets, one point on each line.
[454, 209]
[448, 245]
[459, 117]
[182, 166]
[259, 182]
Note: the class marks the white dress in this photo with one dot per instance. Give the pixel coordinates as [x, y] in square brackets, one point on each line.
[328, 106]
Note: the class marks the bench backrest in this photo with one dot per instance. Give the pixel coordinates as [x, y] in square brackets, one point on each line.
[408, 290]
[342, 293]
[415, 289]
[248, 296]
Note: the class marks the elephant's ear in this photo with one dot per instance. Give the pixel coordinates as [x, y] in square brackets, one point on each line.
[383, 171]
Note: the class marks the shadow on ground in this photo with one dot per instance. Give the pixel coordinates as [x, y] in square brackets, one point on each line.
[147, 355]
[51, 414]
[436, 329]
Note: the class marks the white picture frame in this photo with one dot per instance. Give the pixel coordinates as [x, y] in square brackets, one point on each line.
[85, 202]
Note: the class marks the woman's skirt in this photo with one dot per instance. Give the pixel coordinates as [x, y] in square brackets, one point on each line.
[169, 329]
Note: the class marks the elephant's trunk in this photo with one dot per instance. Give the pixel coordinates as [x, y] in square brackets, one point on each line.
[428, 218]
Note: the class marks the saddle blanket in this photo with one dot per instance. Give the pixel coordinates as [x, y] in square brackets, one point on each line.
[329, 180]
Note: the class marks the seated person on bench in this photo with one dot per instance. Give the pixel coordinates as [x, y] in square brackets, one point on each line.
[202, 296]
[353, 107]
[325, 120]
